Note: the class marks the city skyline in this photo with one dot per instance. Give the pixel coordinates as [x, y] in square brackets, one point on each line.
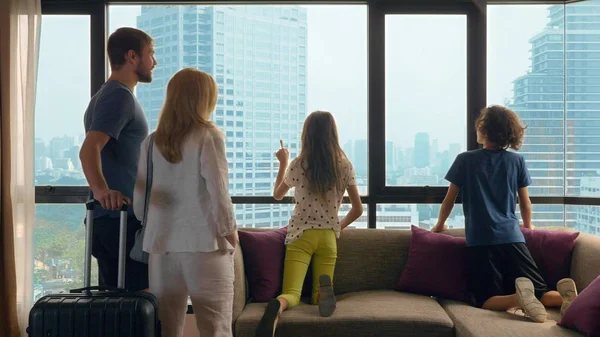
[400, 155]
[327, 62]
[122, 15]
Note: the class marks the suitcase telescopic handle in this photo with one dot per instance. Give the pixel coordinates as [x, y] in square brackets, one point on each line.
[90, 205]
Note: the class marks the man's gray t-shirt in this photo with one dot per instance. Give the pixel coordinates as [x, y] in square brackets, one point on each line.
[115, 111]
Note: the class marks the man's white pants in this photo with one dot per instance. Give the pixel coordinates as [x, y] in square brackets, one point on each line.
[207, 278]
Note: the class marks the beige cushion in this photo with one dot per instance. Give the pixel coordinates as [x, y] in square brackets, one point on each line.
[585, 266]
[474, 322]
[368, 313]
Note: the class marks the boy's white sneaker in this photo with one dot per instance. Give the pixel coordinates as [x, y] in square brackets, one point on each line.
[532, 307]
[568, 291]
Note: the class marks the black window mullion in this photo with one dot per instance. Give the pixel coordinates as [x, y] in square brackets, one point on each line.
[98, 29]
[476, 68]
[376, 113]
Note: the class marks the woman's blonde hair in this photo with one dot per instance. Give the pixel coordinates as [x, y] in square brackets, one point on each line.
[191, 98]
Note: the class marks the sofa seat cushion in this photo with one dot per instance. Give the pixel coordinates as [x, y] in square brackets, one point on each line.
[474, 322]
[367, 313]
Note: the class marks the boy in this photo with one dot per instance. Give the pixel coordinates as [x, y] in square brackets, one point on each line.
[502, 273]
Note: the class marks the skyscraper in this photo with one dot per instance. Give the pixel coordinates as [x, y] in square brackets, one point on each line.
[453, 150]
[360, 158]
[58, 146]
[349, 150]
[433, 151]
[390, 156]
[257, 55]
[588, 217]
[540, 101]
[422, 149]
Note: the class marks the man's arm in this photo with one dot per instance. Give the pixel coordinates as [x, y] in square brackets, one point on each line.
[111, 114]
[446, 208]
[92, 168]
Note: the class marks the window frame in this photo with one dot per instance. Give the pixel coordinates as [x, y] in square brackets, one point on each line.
[377, 191]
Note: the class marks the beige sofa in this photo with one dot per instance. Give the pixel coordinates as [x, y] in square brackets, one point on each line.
[369, 263]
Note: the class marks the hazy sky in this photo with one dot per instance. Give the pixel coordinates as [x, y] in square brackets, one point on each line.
[425, 64]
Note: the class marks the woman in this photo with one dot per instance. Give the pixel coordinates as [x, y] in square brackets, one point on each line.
[190, 229]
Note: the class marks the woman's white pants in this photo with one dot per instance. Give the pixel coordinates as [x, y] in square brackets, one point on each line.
[207, 278]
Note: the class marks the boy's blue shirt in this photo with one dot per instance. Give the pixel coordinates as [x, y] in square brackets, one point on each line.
[489, 181]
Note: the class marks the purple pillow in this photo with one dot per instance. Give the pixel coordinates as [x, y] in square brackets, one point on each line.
[437, 266]
[552, 252]
[583, 314]
[264, 253]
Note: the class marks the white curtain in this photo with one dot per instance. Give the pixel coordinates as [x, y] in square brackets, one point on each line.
[19, 38]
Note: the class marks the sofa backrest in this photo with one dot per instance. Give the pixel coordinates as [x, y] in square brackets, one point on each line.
[370, 259]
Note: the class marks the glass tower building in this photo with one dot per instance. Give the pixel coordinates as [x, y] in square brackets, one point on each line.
[257, 55]
[559, 101]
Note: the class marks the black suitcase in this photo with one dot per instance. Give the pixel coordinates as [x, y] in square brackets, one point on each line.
[97, 311]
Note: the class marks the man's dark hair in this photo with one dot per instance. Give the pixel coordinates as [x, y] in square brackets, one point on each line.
[501, 126]
[122, 41]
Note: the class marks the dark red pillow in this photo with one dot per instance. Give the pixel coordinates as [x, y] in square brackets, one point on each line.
[264, 253]
[583, 314]
[552, 252]
[437, 266]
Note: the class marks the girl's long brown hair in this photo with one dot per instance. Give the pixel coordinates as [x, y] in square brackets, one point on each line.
[321, 156]
[191, 98]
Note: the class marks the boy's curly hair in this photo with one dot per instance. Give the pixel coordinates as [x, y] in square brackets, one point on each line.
[501, 126]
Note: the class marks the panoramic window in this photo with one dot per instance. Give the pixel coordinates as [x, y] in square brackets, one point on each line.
[274, 64]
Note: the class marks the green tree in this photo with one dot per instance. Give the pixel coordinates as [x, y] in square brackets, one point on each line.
[59, 236]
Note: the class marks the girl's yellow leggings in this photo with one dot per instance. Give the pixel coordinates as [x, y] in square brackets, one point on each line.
[321, 246]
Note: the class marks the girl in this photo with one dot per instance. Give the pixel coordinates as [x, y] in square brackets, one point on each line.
[190, 231]
[320, 175]
[503, 275]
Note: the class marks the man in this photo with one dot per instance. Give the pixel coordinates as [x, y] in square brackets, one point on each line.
[115, 127]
